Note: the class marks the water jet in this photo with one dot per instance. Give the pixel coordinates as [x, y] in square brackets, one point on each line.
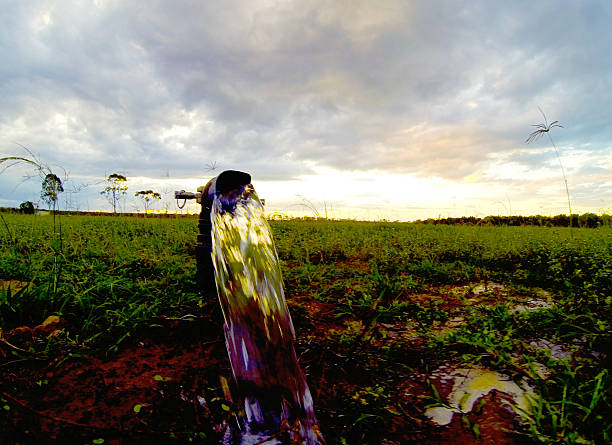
[236, 256]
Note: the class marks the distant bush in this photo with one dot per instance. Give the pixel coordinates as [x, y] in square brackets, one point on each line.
[588, 220]
[27, 207]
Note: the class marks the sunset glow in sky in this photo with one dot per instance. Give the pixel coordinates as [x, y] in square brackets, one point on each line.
[371, 110]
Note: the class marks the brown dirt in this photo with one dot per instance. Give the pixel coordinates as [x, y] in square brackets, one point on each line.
[172, 376]
[169, 385]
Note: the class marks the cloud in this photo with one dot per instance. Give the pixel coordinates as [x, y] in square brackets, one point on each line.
[433, 89]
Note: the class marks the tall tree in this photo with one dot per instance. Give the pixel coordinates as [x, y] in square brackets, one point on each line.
[147, 196]
[51, 186]
[115, 188]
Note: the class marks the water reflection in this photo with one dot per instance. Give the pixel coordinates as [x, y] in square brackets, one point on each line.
[472, 384]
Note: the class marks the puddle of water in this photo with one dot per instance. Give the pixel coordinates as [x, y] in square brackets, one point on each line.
[450, 325]
[455, 322]
[440, 415]
[557, 351]
[541, 300]
[489, 287]
[532, 304]
[469, 385]
[540, 370]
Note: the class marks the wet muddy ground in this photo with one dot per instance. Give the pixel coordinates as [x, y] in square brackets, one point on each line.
[168, 381]
[172, 384]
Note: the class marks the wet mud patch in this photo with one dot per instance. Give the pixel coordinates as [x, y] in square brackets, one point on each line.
[463, 406]
[168, 387]
[371, 380]
[469, 385]
[489, 293]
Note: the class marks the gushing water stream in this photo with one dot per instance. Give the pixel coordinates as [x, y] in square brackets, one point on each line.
[259, 334]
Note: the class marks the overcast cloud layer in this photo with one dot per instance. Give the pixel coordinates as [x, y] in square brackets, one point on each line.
[438, 89]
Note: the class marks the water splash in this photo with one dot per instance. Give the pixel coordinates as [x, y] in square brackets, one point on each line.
[259, 334]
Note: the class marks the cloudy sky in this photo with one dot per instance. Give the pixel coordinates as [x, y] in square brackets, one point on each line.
[369, 109]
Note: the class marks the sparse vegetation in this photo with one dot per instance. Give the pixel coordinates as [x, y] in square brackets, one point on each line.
[377, 307]
[115, 188]
[147, 196]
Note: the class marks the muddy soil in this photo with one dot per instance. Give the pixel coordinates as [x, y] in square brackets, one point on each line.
[172, 384]
[169, 383]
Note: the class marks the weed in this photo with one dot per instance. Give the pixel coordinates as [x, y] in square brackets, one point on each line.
[110, 278]
[545, 128]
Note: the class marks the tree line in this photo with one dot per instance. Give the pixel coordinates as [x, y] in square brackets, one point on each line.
[585, 220]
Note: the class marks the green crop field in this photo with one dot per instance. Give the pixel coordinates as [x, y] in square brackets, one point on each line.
[381, 310]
